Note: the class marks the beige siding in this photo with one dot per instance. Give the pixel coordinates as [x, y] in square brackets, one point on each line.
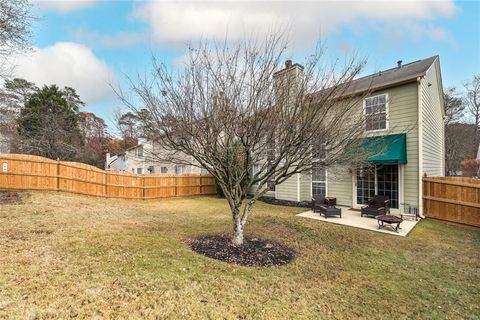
[433, 151]
[305, 187]
[289, 189]
[340, 185]
[268, 194]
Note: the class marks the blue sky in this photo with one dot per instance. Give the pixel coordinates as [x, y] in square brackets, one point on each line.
[91, 44]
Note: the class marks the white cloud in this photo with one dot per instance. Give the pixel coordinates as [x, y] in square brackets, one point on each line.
[179, 22]
[121, 39]
[64, 6]
[68, 64]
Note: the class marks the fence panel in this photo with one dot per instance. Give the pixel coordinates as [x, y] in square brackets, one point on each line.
[25, 172]
[452, 199]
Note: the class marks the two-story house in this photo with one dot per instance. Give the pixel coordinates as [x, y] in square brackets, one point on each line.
[407, 105]
[142, 159]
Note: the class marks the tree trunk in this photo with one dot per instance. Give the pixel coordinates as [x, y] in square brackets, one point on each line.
[237, 234]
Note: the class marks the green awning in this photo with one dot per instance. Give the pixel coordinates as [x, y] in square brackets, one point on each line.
[391, 149]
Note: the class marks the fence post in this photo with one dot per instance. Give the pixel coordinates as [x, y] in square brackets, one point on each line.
[58, 174]
[175, 187]
[105, 182]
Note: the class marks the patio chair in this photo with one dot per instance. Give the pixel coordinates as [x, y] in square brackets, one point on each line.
[319, 204]
[378, 205]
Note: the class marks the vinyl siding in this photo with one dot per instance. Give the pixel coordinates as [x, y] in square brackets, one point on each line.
[288, 190]
[305, 187]
[403, 118]
[340, 185]
[433, 154]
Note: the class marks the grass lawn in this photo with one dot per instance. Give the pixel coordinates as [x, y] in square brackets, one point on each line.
[64, 256]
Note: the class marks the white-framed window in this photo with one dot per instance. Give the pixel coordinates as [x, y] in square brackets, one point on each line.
[151, 169]
[163, 169]
[179, 168]
[139, 152]
[319, 180]
[376, 112]
[139, 170]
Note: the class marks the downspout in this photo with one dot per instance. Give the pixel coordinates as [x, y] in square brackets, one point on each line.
[298, 187]
[420, 146]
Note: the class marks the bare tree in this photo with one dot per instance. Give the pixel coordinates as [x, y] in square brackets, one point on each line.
[454, 106]
[15, 20]
[473, 100]
[230, 109]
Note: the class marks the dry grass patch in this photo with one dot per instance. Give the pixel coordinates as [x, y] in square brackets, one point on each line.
[65, 256]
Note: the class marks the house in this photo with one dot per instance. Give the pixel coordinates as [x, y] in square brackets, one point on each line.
[141, 159]
[408, 100]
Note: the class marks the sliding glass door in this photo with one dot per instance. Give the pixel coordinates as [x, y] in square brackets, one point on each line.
[377, 180]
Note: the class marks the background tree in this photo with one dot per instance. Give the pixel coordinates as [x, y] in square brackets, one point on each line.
[95, 137]
[15, 21]
[229, 111]
[454, 105]
[458, 145]
[13, 97]
[472, 99]
[48, 125]
[130, 128]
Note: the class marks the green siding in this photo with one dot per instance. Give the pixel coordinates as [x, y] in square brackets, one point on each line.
[403, 115]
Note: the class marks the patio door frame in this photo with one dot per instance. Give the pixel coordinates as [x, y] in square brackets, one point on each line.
[400, 169]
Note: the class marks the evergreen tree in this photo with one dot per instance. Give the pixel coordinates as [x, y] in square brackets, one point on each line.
[48, 125]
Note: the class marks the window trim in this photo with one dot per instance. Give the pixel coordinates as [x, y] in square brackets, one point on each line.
[312, 181]
[387, 111]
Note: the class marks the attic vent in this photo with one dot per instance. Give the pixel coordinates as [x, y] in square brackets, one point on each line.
[399, 63]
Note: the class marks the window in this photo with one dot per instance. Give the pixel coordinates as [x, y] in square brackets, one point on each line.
[139, 170]
[163, 169]
[151, 169]
[179, 169]
[319, 180]
[139, 152]
[375, 109]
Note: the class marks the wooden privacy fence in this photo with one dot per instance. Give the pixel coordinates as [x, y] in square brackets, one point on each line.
[452, 199]
[26, 172]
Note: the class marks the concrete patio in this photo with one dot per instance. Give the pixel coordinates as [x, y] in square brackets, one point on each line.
[352, 218]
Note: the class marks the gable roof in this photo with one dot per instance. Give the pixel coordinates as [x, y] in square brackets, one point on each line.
[392, 77]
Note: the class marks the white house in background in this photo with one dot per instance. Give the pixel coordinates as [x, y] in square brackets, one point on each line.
[140, 159]
[478, 153]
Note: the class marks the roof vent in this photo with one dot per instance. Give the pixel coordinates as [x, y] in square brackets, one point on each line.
[288, 64]
[399, 63]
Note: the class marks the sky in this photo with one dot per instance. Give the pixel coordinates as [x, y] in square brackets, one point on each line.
[92, 45]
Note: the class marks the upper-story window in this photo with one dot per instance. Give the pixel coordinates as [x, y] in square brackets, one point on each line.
[376, 113]
[139, 152]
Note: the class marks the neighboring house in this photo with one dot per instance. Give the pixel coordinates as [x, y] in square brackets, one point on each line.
[408, 100]
[140, 159]
[478, 153]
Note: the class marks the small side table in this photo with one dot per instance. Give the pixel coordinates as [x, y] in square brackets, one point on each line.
[385, 220]
[331, 201]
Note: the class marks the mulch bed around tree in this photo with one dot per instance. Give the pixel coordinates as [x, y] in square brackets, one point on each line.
[254, 252]
[10, 197]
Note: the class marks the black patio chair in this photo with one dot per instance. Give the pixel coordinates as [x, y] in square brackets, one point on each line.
[378, 205]
[319, 204]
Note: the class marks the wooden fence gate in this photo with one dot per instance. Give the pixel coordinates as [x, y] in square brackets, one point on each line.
[452, 199]
[26, 172]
